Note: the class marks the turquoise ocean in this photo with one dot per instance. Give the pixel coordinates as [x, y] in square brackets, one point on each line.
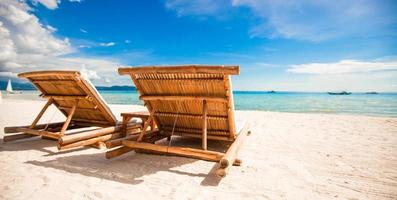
[382, 104]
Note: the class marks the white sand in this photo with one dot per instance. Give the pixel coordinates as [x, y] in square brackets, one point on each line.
[287, 156]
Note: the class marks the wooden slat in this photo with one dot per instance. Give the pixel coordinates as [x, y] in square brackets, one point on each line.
[89, 141]
[197, 131]
[133, 136]
[65, 97]
[14, 129]
[118, 152]
[192, 69]
[195, 135]
[182, 98]
[52, 80]
[167, 114]
[17, 136]
[91, 121]
[48, 73]
[39, 132]
[85, 109]
[136, 114]
[183, 80]
[180, 151]
[88, 134]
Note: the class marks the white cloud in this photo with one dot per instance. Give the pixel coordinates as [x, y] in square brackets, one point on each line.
[343, 67]
[311, 20]
[51, 29]
[319, 20]
[108, 44]
[21, 33]
[127, 41]
[358, 82]
[27, 34]
[84, 46]
[83, 43]
[50, 4]
[95, 69]
[83, 30]
[8, 74]
[89, 74]
[28, 45]
[7, 48]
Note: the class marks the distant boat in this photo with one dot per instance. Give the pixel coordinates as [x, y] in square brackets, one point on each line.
[339, 93]
[371, 93]
[9, 89]
[271, 91]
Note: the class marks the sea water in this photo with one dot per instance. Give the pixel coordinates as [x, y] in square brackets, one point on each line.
[382, 104]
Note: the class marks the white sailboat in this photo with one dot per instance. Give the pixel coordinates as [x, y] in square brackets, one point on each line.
[9, 87]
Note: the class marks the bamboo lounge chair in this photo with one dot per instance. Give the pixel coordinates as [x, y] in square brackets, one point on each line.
[87, 115]
[192, 101]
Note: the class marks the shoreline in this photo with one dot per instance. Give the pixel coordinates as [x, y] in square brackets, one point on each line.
[286, 112]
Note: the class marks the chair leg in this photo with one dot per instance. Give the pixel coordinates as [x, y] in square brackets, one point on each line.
[147, 123]
[36, 120]
[68, 119]
[231, 154]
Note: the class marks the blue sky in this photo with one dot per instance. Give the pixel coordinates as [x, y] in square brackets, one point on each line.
[280, 45]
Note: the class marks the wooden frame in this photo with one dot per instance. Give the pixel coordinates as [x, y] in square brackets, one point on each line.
[182, 69]
[88, 119]
[204, 107]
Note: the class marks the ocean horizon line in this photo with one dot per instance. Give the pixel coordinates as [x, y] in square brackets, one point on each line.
[106, 88]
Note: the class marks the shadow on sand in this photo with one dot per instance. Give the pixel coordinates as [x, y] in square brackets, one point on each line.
[128, 168]
[35, 143]
[38, 144]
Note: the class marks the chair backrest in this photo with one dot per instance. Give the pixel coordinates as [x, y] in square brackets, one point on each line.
[68, 87]
[176, 94]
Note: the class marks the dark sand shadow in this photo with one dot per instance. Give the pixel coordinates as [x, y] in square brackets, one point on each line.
[126, 169]
[35, 143]
[130, 167]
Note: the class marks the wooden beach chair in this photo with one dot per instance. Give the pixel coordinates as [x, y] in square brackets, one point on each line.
[89, 121]
[191, 101]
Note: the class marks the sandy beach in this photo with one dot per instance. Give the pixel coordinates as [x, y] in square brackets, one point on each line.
[287, 156]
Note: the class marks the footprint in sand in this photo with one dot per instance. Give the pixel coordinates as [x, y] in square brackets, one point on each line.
[98, 194]
[45, 179]
[6, 188]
